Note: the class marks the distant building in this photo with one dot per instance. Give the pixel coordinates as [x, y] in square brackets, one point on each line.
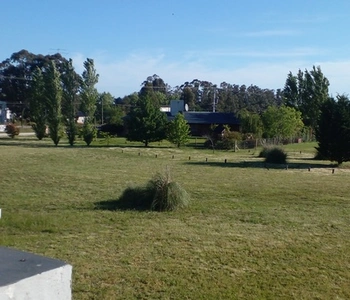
[200, 122]
[5, 113]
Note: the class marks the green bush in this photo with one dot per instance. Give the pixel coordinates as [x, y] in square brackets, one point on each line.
[274, 155]
[168, 195]
[159, 194]
[12, 130]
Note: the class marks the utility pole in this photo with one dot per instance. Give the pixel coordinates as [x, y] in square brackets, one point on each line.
[102, 110]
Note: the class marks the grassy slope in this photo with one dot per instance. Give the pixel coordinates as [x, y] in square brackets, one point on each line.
[249, 233]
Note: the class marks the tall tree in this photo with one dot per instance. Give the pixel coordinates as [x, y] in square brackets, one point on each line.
[333, 130]
[38, 104]
[306, 92]
[70, 84]
[146, 123]
[53, 91]
[282, 122]
[16, 77]
[251, 123]
[89, 96]
[178, 130]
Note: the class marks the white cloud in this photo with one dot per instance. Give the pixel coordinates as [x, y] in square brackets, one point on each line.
[125, 76]
[271, 33]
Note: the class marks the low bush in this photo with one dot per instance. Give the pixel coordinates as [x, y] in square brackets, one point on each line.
[12, 130]
[274, 155]
[159, 194]
[168, 195]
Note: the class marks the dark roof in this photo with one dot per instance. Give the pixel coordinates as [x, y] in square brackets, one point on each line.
[210, 118]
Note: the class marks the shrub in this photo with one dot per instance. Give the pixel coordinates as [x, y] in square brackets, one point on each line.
[12, 130]
[168, 195]
[274, 155]
[159, 194]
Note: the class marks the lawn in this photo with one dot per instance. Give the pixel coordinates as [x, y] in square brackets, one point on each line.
[251, 231]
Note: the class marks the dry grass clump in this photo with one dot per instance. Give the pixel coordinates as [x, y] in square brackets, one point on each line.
[159, 194]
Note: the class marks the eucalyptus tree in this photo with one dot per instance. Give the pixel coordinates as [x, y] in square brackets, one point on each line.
[37, 104]
[16, 74]
[89, 96]
[53, 92]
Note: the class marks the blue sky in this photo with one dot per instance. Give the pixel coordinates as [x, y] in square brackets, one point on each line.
[240, 42]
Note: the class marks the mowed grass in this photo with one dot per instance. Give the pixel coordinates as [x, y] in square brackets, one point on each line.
[251, 231]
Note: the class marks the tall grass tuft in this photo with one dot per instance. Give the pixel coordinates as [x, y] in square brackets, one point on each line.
[274, 155]
[168, 194]
[159, 194]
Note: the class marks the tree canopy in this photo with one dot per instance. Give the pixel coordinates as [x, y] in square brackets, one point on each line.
[16, 74]
[145, 122]
[178, 130]
[281, 122]
[333, 130]
[306, 92]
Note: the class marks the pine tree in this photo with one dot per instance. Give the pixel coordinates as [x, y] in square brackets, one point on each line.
[333, 130]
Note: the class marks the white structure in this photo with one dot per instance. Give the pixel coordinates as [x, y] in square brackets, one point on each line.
[176, 106]
[4, 112]
[33, 277]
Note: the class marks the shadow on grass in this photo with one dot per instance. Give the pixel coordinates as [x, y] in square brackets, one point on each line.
[117, 204]
[262, 165]
[46, 143]
[133, 198]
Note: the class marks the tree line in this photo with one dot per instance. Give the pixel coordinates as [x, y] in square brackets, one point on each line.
[47, 91]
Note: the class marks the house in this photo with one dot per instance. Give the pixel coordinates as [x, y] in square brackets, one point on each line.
[200, 122]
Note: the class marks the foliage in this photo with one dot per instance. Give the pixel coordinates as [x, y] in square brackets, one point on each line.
[89, 96]
[333, 130]
[306, 92]
[16, 75]
[53, 91]
[112, 129]
[228, 139]
[70, 83]
[37, 104]
[12, 130]
[250, 123]
[281, 122]
[89, 132]
[178, 131]
[146, 123]
[168, 194]
[274, 155]
[159, 194]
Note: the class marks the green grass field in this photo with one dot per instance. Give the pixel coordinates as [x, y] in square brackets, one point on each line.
[250, 232]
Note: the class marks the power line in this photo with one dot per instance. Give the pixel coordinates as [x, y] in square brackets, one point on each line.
[15, 78]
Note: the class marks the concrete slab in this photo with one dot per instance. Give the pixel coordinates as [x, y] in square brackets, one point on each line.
[33, 276]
